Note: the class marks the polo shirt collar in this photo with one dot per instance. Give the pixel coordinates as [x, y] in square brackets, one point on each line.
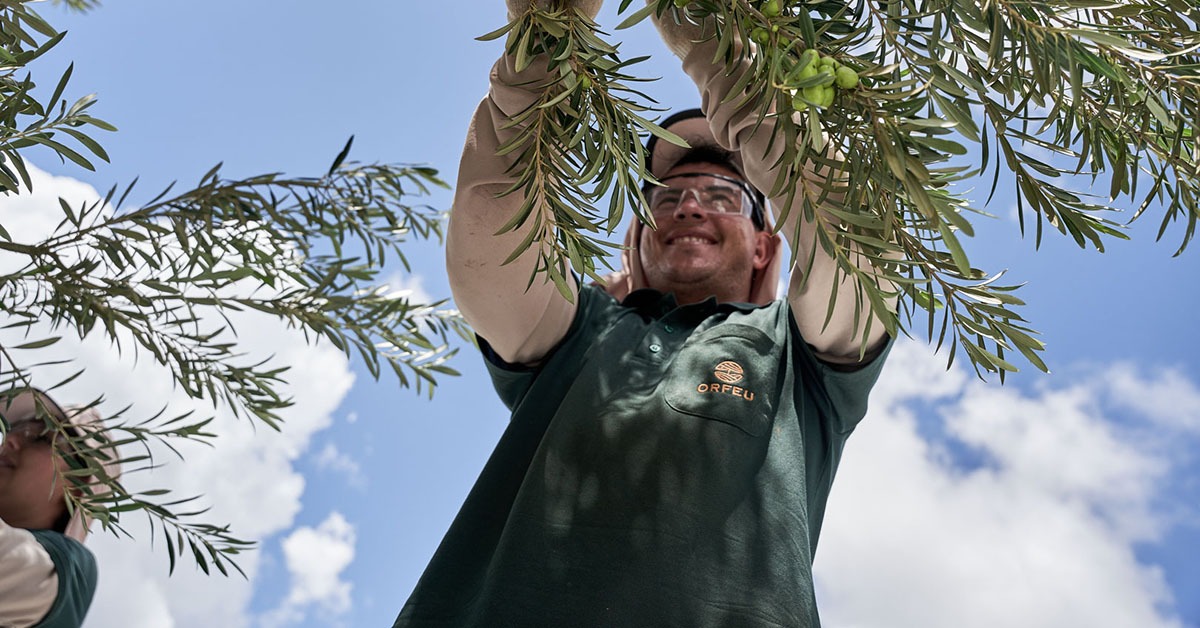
[654, 304]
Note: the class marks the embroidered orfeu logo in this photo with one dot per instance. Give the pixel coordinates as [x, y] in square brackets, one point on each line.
[728, 373]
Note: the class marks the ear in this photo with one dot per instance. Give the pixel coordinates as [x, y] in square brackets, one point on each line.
[766, 246]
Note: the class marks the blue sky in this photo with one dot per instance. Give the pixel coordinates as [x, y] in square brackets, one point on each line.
[1062, 499]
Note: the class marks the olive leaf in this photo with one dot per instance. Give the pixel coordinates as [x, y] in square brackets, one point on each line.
[1082, 108]
[162, 278]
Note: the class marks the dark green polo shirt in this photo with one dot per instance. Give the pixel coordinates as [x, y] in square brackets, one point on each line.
[664, 467]
[76, 569]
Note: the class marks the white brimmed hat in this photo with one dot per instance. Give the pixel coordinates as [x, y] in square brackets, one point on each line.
[98, 449]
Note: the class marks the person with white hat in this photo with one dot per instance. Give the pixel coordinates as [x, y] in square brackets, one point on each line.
[47, 576]
[674, 432]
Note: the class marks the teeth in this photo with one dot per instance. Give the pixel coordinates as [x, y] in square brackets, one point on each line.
[693, 239]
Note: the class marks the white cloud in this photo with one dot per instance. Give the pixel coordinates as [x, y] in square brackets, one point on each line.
[1165, 396]
[330, 458]
[32, 216]
[248, 478]
[1037, 528]
[315, 560]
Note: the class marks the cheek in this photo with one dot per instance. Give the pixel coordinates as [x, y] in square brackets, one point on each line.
[645, 247]
[38, 475]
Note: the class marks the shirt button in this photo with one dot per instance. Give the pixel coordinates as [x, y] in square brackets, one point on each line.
[655, 348]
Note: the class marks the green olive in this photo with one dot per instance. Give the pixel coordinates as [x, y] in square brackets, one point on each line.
[827, 94]
[807, 72]
[771, 8]
[814, 94]
[809, 57]
[585, 82]
[682, 3]
[798, 103]
[846, 78]
[761, 36]
[826, 77]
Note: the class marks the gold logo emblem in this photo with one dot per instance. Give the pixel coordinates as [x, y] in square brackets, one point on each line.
[729, 372]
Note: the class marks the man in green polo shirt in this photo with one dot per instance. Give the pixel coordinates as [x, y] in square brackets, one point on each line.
[675, 432]
[47, 576]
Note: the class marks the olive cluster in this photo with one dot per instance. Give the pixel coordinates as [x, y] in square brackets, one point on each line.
[771, 9]
[821, 76]
[829, 74]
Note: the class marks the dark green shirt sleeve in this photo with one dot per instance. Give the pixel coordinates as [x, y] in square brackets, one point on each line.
[843, 393]
[514, 381]
[77, 574]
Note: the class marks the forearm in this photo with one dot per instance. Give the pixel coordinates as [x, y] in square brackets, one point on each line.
[815, 277]
[521, 324]
[28, 582]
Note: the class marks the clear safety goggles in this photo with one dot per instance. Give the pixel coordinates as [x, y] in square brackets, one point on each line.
[28, 431]
[714, 193]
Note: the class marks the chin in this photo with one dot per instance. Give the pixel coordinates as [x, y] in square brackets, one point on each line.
[688, 279]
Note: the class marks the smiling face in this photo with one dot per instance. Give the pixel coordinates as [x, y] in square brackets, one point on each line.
[31, 489]
[697, 254]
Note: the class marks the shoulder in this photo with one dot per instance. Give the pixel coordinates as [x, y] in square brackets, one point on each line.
[843, 388]
[840, 391]
[64, 549]
[77, 575]
[596, 312]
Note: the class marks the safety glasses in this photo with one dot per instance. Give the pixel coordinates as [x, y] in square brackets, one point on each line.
[713, 193]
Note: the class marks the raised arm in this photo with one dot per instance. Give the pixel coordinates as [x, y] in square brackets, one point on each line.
[521, 322]
[840, 340]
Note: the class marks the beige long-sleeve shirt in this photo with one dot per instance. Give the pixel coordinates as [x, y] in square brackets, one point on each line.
[28, 581]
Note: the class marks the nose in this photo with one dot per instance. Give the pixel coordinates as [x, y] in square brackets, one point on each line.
[689, 206]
